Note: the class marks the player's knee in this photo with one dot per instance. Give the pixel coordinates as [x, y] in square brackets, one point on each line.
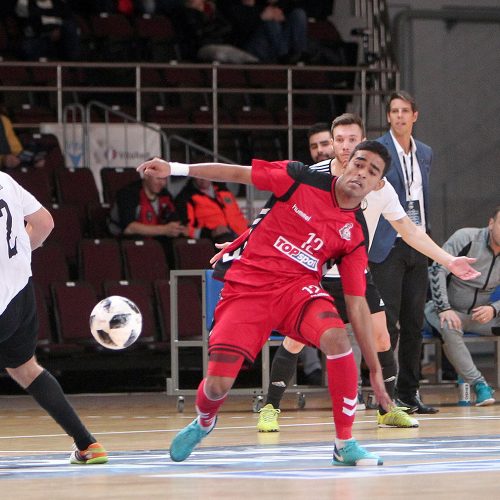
[292, 346]
[217, 387]
[334, 341]
[25, 373]
[452, 336]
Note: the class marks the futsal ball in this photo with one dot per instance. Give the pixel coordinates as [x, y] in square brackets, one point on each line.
[115, 322]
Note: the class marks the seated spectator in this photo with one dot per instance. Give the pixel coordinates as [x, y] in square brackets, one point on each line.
[146, 209]
[273, 31]
[459, 306]
[12, 154]
[205, 33]
[50, 30]
[210, 211]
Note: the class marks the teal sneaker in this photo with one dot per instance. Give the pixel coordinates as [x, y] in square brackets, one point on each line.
[186, 440]
[353, 454]
[484, 394]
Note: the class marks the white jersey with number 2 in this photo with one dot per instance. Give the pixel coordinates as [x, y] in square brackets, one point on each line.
[15, 248]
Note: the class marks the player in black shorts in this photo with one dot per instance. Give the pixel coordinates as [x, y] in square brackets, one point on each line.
[24, 225]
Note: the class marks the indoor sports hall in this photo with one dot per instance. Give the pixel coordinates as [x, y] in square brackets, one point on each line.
[90, 90]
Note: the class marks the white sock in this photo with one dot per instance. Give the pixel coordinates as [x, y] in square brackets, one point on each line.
[205, 428]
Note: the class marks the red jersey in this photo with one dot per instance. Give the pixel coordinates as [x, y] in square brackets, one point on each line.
[303, 229]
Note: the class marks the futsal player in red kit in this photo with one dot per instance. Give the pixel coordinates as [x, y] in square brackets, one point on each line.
[273, 283]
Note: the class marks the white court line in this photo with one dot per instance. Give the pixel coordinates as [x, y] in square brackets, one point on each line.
[243, 427]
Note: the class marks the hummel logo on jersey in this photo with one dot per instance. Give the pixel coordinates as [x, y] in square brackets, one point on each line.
[300, 213]
[295, 253]
[345, 231]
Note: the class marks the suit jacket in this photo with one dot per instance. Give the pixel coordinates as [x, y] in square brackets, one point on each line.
[385, 236]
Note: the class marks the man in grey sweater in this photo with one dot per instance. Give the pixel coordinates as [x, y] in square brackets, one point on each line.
[459, 306]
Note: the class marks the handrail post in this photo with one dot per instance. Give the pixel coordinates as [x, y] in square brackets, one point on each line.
[363, 95]
[59, 94]
[289, 89]
[138, 93]
[215, 111]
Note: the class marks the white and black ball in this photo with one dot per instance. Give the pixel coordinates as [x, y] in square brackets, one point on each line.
[116, 322]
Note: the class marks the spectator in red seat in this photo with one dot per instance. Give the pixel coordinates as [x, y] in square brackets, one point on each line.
[146, 209]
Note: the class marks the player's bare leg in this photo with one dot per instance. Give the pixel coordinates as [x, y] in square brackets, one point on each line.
[212, 392]
[47, 392]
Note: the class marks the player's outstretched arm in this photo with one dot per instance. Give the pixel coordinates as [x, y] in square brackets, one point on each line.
[218, 172]
[419, 240]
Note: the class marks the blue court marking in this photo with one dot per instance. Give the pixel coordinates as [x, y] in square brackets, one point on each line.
[307, 461]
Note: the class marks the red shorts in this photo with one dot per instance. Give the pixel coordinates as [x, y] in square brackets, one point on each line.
[245, 316]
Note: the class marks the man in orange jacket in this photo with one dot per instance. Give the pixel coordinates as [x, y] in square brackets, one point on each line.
[210, 210]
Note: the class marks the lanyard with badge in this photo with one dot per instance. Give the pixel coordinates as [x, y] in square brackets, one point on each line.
[412, 207]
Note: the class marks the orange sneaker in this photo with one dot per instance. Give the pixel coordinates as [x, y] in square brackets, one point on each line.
[94, 454]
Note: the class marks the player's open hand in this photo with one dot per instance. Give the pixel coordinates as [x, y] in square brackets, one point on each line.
[377, 383]
[461, 267]
[155, 168]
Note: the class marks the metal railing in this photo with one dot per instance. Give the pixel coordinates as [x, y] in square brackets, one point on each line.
[62, 87]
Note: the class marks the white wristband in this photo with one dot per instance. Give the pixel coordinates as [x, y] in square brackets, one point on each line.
[179, 168]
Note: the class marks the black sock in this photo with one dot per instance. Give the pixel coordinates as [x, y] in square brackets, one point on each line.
[388, 364]
[47, 392]
[282, 370]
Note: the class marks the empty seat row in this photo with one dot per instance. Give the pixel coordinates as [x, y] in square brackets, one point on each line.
[64, 314]
[107, 35]
[103, 260]
[75, 186]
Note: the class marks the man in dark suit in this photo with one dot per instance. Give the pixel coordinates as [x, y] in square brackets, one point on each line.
[400, 272]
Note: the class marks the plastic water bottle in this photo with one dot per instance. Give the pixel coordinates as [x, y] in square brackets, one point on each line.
[463, 392]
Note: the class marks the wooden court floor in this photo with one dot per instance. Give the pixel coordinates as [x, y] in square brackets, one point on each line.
[454, 454]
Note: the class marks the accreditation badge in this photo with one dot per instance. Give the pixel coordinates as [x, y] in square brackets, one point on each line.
[413, 212]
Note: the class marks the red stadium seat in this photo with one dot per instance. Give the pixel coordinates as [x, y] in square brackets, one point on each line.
[35, 180]
[141, 293]
[157, 37]
[99, 261]
[97, 220]
[73, 303]
[49, 264]
[193, 254]
[76, 186]
[114, 178]
[68, 230]
[189, 308]
[144, 260]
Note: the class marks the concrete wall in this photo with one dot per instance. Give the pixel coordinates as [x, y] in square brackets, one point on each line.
[454, 72]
